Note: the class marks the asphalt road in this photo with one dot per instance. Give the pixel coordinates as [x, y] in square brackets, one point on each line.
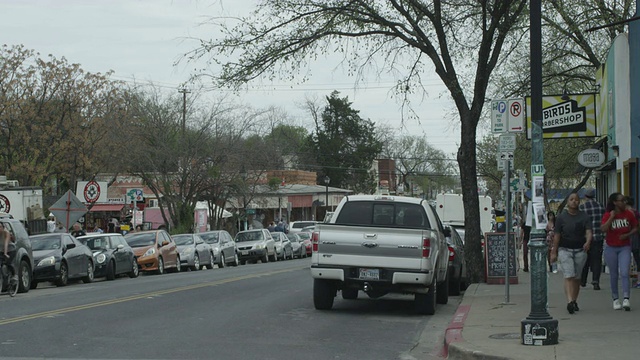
[257, 311]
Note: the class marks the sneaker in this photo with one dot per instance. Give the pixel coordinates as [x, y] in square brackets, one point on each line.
[575, 306]
[617, 305]
[570, 308]
[555, 271]
[626, 304]
[596, 286]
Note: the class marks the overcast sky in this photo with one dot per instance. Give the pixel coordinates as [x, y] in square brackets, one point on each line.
[141, 40]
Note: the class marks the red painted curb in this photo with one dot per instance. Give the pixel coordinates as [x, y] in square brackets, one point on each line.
[454, 330]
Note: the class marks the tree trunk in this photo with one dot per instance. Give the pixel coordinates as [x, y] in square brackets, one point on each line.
[472, 237]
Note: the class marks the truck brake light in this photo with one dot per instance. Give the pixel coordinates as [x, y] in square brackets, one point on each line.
[426, 247]
[315, 236]
[452, 253]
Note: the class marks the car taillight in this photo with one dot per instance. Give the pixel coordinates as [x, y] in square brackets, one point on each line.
[452, 253]
[426, 247]
[315, 236]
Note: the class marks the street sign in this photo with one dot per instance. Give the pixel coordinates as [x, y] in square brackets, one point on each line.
[506, 155]
[507, 143]
[68, 209]
[498, 116]
[515, 116]
[135, 195]
[500, 159]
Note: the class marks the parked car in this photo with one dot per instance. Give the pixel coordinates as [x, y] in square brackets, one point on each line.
[112, 255]
[59, 257]
[194, 252]
[23, 260]
[457, 264]
[283, 245]
[297, 246]
[306, 241]
[155, 250]
[254, 245]
[224, 247]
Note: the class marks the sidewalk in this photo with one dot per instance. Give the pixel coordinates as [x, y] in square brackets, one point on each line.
[486, 328]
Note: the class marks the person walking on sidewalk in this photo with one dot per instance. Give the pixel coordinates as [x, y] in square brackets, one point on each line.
[635, 239]
[570, 245]
[594, 256]
[551, 223]
[619, 224]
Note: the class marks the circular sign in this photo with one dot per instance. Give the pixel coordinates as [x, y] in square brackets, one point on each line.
[91, 192]
[516, 109]
[5, 204]
[591, 158]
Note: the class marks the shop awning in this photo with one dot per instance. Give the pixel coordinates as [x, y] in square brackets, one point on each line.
[106, 207]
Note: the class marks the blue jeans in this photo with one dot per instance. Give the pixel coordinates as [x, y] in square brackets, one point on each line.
[618, 260]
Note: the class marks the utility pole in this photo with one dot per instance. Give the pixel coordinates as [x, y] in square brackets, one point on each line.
[184, 93]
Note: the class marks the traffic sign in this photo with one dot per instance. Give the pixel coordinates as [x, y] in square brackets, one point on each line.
[498, 116]
[515, 117]
[135, 195]
[507, 143]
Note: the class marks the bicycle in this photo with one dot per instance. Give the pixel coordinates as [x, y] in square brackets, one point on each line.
[8, 280]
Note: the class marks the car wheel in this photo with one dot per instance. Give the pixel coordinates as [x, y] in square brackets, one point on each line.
[265, 258]
[89, 278]
[134, 269]
[222, 260]
[211, 261]
[442, 291]
[64, 275]
[160, 266]
[111, 270]
[349, 294]
[34, 284]
[235, 260]
[426, 303]
[454, 285]
[196, 263]
[24, 274]
[178, 264]
[324, 291]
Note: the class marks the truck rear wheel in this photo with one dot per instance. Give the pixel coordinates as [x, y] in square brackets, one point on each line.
[426, 303]
[442, 291]
[324, 291]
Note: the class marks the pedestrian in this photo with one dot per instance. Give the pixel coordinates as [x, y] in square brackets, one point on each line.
[551, 220]
[594, 256]
[51, 223]
[525, 233]
[279, 227]
[618, 224]
[571, 242]
[635, 240]
[271, 227]
[77, 230]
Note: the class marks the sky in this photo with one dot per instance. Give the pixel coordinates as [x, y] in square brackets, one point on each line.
[140, 40]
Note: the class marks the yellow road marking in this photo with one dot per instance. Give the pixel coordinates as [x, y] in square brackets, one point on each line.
[133, 297]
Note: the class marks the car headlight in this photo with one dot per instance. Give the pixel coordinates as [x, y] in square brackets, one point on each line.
[259, 246]
[216, 250]
[149, 252]
[188, 251]
[48, 261]
[101, 258]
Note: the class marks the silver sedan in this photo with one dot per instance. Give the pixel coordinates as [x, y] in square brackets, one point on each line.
[195, 253]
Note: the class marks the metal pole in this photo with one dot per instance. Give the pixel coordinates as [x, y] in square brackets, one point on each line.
[507, 173]
[539, 328]
[327, 196]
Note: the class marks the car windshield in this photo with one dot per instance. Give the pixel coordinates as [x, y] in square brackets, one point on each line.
[185, 239]
[45, 242]
[211, 238]
[249, 236]
[305, 235]
[141, 239]
[95, 243]
[276, 237]
[292, 238]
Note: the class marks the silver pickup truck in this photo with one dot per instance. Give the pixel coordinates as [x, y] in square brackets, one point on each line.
[380, 245]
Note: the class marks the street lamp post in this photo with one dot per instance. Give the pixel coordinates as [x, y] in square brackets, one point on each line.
[538, 328]
[327, 180]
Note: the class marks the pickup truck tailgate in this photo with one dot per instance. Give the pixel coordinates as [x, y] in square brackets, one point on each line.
[371, 247]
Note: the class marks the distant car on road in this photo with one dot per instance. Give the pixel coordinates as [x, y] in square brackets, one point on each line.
[155, 250]
[254, 245]
[283, 245]
[297, 226]
[457, 263]
[195, 253]
[306, 241]
[111, 254]
[224, 247]
[297, 246]
[59, 257]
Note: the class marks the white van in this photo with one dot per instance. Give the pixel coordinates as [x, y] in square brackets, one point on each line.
[450, 209]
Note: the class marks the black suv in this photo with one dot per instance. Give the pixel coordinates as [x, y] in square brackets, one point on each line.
[23, 260]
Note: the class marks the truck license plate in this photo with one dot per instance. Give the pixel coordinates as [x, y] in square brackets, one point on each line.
[369, 274]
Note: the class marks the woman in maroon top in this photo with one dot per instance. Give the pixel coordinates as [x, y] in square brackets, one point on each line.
[619, 224]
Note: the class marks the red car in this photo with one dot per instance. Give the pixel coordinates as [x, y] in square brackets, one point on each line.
[306, 240]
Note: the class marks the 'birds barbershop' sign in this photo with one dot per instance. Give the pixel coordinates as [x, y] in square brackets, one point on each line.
[566, 118]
